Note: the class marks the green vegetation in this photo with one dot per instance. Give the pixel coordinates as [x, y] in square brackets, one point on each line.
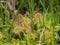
[29, 22]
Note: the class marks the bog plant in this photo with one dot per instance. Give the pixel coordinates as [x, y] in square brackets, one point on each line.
[34, 22]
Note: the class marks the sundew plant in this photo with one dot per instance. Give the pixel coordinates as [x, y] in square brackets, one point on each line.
[29, 22]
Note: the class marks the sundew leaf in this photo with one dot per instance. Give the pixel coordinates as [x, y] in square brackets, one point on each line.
[48, 36]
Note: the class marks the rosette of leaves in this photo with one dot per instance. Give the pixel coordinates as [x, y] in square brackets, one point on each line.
[26, 23]
[48, 36]
[37, 21]
[22, 24]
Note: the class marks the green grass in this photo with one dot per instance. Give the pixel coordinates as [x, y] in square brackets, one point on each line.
[50, 21]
